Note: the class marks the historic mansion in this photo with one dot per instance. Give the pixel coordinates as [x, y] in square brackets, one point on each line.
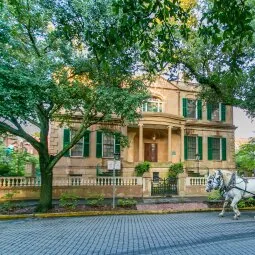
[175, 127]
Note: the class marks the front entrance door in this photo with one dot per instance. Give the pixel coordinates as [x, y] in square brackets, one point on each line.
[151, 152]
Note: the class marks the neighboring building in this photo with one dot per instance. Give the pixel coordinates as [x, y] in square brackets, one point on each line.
[175, 127]
[241, 141]
[18, 144]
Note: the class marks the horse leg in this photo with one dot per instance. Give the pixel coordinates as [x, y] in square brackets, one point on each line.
[234, 207]
[223, 209]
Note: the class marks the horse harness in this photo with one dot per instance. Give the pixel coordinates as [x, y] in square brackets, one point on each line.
[232, 184]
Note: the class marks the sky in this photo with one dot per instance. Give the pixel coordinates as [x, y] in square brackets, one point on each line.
[245, 127]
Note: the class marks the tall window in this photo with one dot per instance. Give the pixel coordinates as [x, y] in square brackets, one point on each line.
[108, 145]
[193, 145]
[215, 112]
[192, 108]
[77, 150]
[152, 105]
[217, 148]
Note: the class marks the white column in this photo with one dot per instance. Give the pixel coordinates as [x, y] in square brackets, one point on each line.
[169, 157]
[141, 156]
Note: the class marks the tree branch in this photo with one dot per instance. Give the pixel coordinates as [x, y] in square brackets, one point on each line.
[21, 133]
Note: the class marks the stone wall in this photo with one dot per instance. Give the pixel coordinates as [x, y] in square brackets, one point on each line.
[29, 193]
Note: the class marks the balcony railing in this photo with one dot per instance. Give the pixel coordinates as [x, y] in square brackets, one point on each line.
[196, 181]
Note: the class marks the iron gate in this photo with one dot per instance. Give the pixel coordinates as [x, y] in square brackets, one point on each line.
[164, 187]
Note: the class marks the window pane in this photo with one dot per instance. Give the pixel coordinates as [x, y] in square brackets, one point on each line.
[108, 145]
[216, 148]
[215, 112]
[153, 105]
[192, 145]
[191, 108]
[77, 150]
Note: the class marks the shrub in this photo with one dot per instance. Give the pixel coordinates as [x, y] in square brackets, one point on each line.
[214, 195]
[97, 201]
[175, 169]
[68, 200]
[8, 205]
[142, 168]
[129, 202]
[241, 204]
[246, 202]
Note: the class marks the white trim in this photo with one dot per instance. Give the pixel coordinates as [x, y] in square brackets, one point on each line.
[103, 146]
[70, 151]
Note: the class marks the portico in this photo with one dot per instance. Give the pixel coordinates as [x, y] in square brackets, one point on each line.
[155, 143]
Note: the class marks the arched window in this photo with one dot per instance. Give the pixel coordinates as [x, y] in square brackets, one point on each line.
[152, 105]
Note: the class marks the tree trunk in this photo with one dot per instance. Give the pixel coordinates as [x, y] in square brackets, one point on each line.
[45, 202]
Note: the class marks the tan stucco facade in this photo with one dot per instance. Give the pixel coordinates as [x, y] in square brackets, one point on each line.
[166, 129]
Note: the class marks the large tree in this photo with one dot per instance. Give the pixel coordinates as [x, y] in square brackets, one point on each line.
[92, 58]
[60, 59]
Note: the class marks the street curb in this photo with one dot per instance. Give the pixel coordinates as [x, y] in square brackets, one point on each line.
[107, 213]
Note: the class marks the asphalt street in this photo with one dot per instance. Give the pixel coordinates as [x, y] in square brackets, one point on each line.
[186, 233]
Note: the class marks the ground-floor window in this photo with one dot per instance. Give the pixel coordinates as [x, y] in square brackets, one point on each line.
[77, 150]
[193, 147]
[217, 148]
[108, 145]
[155, 176]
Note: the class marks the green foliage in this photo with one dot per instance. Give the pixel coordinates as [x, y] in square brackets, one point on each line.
[128, 202]
[68, 200]
[97, 201]
[14, 163]
[214, 195]
[245, 157]
[175, 169]
[247, 202]
[142, 168]
[77, 56]
[8, 205]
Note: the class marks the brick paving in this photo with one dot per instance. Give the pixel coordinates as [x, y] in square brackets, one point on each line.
[187, 233]
[172, 206]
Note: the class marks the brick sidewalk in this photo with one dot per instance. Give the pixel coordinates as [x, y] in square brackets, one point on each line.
[172, 206]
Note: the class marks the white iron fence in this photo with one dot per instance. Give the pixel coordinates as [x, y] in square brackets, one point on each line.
[71, 181]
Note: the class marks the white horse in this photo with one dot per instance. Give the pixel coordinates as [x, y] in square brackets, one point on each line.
[232, 187]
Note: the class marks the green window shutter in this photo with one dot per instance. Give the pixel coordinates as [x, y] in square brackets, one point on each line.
[210, 140]
[185, 147]
[199, 109]
[223, 112]
[66, 141]
[117, 144]
[224, 148]
[200, 147]
[99, 144]
[86, 139]
[209, 111]
[184, 107]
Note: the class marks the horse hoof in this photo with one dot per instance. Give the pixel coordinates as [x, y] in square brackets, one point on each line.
[221, 215]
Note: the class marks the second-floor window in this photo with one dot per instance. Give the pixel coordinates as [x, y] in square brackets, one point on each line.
[216, 112]
[192, 108]
[152, 105]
